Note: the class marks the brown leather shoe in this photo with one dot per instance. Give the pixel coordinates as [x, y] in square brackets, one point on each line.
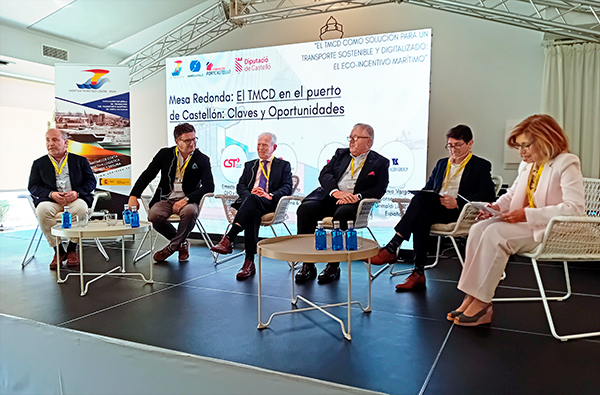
[414, 281]
[330, 273]
[163, 254]
[224, 246]
[184, 251]
[248, 269]
[308, 272]
[382, 257]
[72, 258]
[61, 259]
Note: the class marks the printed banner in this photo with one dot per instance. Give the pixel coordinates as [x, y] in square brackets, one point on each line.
[310, 95]
[92, 106]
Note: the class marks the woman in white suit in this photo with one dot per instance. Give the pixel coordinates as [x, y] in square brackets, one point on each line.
[549, 184]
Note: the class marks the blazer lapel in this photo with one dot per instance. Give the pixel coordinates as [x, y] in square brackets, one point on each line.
[539, 197]
[274, 176]
[366, 169]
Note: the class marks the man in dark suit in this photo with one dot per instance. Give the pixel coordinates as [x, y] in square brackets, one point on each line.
[352, 174]
[456, 180]
[185, 177]
[57, 180]
[263, 182]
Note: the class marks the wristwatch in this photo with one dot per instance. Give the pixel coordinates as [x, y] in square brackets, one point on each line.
[187, 199]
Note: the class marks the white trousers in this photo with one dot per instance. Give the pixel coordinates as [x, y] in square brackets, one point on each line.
[489, 245]
[47, 211]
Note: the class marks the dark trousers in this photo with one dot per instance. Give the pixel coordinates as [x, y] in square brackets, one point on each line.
[312, 211]
[249, 218]
[159, 215]
[423, 211]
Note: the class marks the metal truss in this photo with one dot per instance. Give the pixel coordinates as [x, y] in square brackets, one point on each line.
[185, 39]
[575, 19]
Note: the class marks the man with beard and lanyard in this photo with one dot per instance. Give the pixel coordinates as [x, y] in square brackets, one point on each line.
[453, 180]
[185, 176]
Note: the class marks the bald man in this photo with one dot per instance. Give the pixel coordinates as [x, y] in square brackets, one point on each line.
[57, 180]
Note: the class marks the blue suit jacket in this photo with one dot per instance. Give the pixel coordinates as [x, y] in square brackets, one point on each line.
[42, 179]
[280, 180]
[475, 184]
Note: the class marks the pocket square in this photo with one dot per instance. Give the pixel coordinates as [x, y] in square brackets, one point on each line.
[194, 166]
[371, 173]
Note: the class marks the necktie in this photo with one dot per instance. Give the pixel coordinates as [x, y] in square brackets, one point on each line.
[262, 182]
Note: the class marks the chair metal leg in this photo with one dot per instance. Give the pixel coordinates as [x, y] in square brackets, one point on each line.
[26, 260]
[101, 248]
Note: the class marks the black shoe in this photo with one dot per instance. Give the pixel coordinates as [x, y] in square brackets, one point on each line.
[308, 272]
[329, 274]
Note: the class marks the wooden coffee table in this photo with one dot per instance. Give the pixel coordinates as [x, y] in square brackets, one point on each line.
[301, 248]
[100, 229]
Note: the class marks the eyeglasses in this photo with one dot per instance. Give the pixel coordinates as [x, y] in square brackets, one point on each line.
[454, 146]
[354, 139]
[524, 146]
[189, 141]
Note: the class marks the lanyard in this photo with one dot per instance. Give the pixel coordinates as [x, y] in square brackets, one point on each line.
[181, 170]
[262, 168]
[533, 179]
[353, 170]
[64, 162]
[448, 180]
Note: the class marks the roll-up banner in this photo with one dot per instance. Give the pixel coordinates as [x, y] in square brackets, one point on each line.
[92, 106]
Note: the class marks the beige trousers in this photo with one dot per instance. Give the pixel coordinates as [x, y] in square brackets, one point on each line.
[47, 212]
[489, 245]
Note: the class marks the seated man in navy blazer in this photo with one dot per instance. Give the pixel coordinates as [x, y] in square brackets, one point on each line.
[57, 180]
[185, 177]
[263, 182]
[352, 174]
[457, 178]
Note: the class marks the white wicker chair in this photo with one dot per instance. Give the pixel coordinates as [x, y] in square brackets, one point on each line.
[362, 221]
[460, 228]
[497, 183]
[27, 258]
[567, 239]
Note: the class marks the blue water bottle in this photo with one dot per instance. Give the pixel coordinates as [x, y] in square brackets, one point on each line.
[135, 218]
[320, 237]
[337, 237]
[351, 238]
[66, 218]
[126, 216]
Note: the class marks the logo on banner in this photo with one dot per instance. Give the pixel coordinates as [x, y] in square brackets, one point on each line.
[177, 68]
[256, 64]
[96, 81]
[233, 158]
[212, 70]
[195, 66]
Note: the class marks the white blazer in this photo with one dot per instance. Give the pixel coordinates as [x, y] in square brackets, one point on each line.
[560, 192]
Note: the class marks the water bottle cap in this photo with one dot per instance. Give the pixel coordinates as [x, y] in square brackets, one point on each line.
[134, 208]
[66, 208]
[320, 224]
[336, 224]
[126, 207]
[350, 224]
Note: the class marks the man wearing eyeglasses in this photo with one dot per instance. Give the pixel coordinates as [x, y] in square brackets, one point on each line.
[185, 176]
[455, 180]
[352, 174]
[264, 181]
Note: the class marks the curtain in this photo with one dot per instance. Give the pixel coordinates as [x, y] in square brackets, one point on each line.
[571, 94]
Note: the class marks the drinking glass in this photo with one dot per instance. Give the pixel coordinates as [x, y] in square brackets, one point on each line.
[111, 219]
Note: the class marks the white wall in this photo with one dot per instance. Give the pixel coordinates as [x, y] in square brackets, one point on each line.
[483, 73]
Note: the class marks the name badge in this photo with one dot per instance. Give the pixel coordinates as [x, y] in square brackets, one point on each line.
[177, 187]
